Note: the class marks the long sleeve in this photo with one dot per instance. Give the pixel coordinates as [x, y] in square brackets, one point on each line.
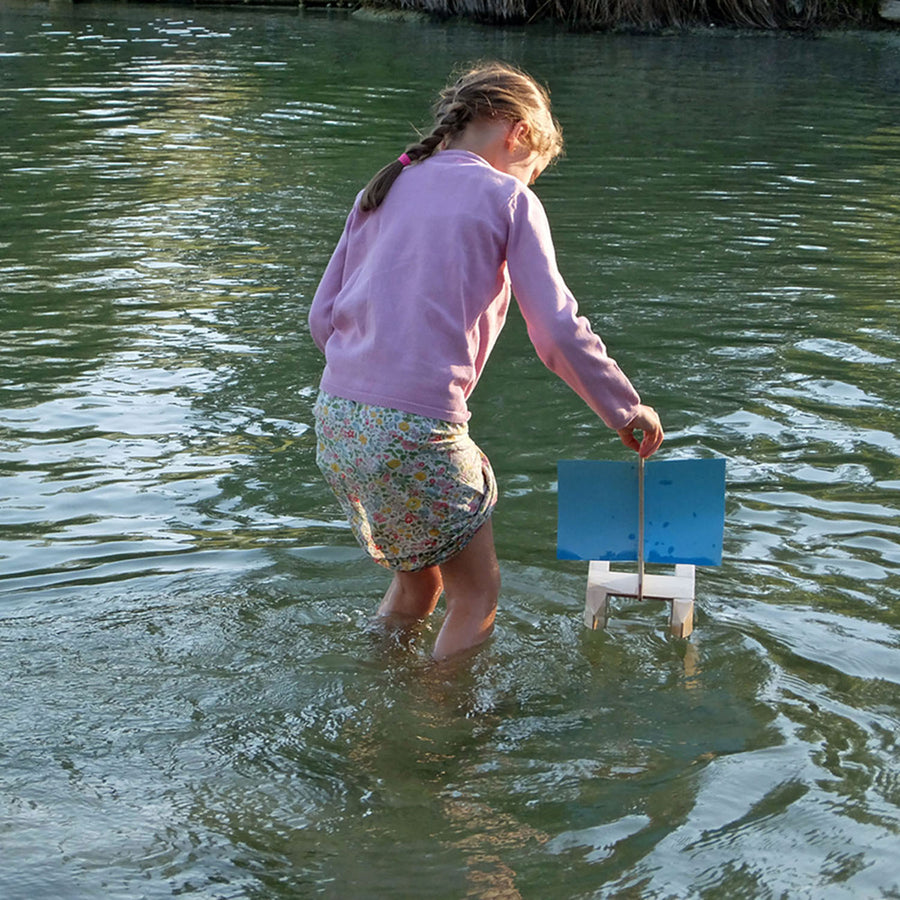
[320, 311]
[562, 338]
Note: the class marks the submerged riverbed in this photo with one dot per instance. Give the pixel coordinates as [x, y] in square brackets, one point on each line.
[192, 703]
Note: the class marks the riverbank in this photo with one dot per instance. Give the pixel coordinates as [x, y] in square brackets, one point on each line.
[658, 15]
[640, 16]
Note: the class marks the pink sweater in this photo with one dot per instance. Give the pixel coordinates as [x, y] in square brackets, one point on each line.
[417, 291]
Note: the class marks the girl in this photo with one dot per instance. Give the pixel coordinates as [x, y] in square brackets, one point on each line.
[407, 313]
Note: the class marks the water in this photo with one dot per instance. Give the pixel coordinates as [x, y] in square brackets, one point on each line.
[191, 701]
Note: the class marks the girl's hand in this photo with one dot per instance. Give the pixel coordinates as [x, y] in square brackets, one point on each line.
[648, 422]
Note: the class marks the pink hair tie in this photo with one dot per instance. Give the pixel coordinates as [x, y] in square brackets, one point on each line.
[404, 160]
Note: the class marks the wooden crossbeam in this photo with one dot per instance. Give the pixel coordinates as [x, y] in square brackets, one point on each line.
[677, 589]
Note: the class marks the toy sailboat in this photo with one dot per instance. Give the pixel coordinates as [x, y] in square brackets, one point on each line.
[662, 511]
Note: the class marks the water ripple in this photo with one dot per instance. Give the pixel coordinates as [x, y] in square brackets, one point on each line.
[195, 700]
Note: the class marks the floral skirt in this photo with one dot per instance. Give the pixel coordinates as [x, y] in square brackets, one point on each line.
[414, 489]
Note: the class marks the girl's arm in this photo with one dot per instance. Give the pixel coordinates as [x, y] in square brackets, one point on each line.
[320, 321]
[562, 338]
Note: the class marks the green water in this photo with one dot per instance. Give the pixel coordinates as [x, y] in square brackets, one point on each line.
[191, 702]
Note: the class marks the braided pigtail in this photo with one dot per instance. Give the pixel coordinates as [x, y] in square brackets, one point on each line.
[487, 91]
[453, 121]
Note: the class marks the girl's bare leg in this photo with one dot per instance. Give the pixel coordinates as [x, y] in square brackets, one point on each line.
[412, 595]
[472, 585]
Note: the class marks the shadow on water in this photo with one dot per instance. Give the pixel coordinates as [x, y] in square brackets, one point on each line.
[193, 699]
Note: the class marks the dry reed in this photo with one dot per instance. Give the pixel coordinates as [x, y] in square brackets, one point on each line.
[658, 14]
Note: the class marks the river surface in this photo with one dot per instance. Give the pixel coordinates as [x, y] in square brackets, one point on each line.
[192, 701]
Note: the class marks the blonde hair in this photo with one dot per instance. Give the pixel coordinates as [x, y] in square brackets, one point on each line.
[488, 90]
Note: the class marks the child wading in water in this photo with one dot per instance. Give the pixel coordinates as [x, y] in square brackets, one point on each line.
[407, 313]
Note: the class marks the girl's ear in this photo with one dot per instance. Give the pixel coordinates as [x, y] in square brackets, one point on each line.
[517, 134]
